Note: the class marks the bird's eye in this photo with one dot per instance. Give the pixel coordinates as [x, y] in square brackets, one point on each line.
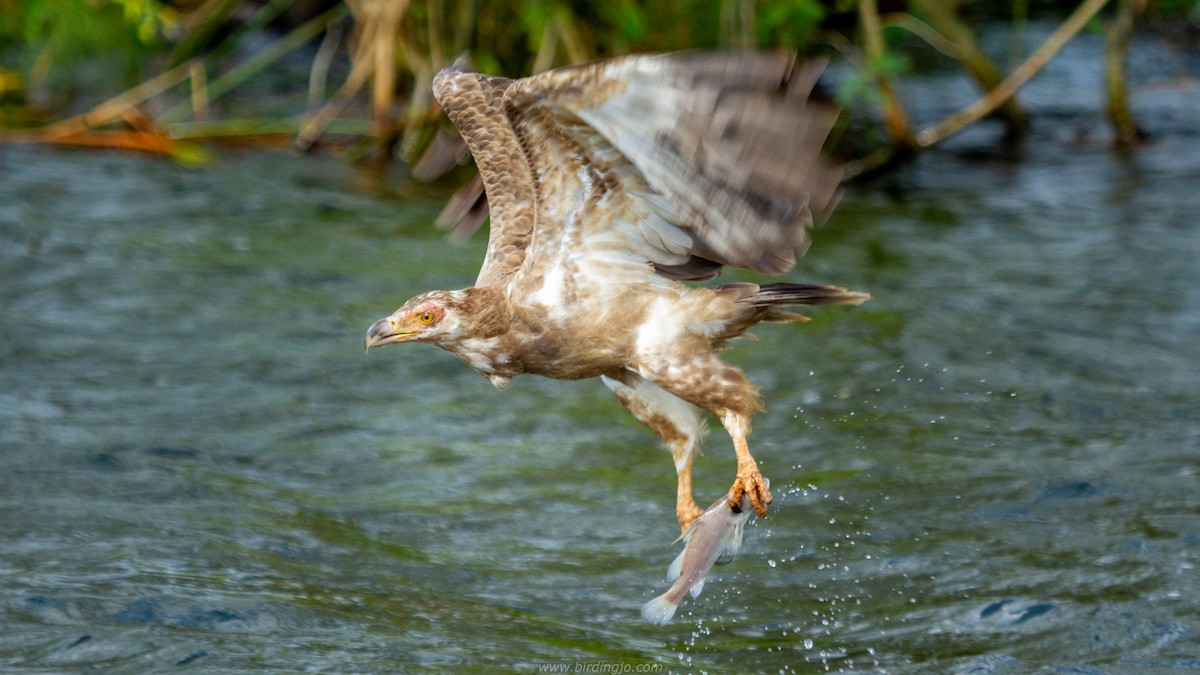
[425, 318]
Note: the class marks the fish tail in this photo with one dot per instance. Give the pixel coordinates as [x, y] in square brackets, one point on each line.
[659, 610]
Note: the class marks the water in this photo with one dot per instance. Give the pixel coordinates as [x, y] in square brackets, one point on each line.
[992, 467]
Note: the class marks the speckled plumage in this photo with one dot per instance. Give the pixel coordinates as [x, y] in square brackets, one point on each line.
[607, 185]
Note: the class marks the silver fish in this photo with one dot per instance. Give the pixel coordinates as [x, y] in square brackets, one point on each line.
[714, 538]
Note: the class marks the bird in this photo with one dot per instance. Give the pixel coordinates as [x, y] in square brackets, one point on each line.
[615, 189]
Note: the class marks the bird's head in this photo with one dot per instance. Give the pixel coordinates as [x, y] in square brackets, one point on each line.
[435, 316]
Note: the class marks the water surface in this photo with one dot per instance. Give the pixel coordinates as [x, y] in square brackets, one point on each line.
[991, 467]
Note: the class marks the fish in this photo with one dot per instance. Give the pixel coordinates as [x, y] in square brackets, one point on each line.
[713, 539]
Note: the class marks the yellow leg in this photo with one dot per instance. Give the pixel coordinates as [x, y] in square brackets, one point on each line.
[685, 504]
[749, 481]
[674, 421]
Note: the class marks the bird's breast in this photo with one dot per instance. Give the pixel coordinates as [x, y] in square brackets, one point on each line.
[487, 355]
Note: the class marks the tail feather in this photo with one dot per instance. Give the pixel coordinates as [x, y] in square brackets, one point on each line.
[766, 302]
[770, 295]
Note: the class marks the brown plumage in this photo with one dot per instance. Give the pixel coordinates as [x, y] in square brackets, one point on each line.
[610, 183]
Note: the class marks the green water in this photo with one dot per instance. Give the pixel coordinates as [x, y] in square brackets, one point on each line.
[992, 467]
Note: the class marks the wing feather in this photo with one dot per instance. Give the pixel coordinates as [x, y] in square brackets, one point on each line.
[645, 167]
[593, 226]
[727, 145]
[474, 102]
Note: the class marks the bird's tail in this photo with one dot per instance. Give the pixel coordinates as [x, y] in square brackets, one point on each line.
[766, 302]
[785, 295]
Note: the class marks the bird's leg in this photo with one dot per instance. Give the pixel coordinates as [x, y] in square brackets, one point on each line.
[686, 510]
[691, 370]
[673, 420]
[749, 481]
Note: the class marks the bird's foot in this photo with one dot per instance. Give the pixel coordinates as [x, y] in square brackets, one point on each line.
[687, 514]
[750, 483]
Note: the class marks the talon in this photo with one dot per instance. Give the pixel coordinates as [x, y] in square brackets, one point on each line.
[750, 483]
[737, 494]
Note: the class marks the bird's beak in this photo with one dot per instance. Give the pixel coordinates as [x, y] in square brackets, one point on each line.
[384, 332]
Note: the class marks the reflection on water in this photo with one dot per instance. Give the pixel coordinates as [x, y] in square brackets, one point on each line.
[992, 465]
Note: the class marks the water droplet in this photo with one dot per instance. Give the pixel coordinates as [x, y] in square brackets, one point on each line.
[808, 643]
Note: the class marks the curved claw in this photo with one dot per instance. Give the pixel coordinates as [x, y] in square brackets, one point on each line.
[750, 483]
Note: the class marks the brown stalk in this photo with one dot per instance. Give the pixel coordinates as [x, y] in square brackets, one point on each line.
[895, 119]
[943, 16]
[1018, 77]
[1118, 36]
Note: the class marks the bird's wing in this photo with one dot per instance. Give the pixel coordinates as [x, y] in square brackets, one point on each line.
[688, 161]
[474, 102]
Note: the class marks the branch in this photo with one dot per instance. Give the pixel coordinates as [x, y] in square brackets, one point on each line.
[1016, 79]
[260, 61]
[924, 31]
[115, 108]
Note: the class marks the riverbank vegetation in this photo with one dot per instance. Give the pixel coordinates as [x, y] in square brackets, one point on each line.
[179, 77]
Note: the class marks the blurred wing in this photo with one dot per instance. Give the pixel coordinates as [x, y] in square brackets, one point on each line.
[688, 161]
[597, 226]
[474, 103]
